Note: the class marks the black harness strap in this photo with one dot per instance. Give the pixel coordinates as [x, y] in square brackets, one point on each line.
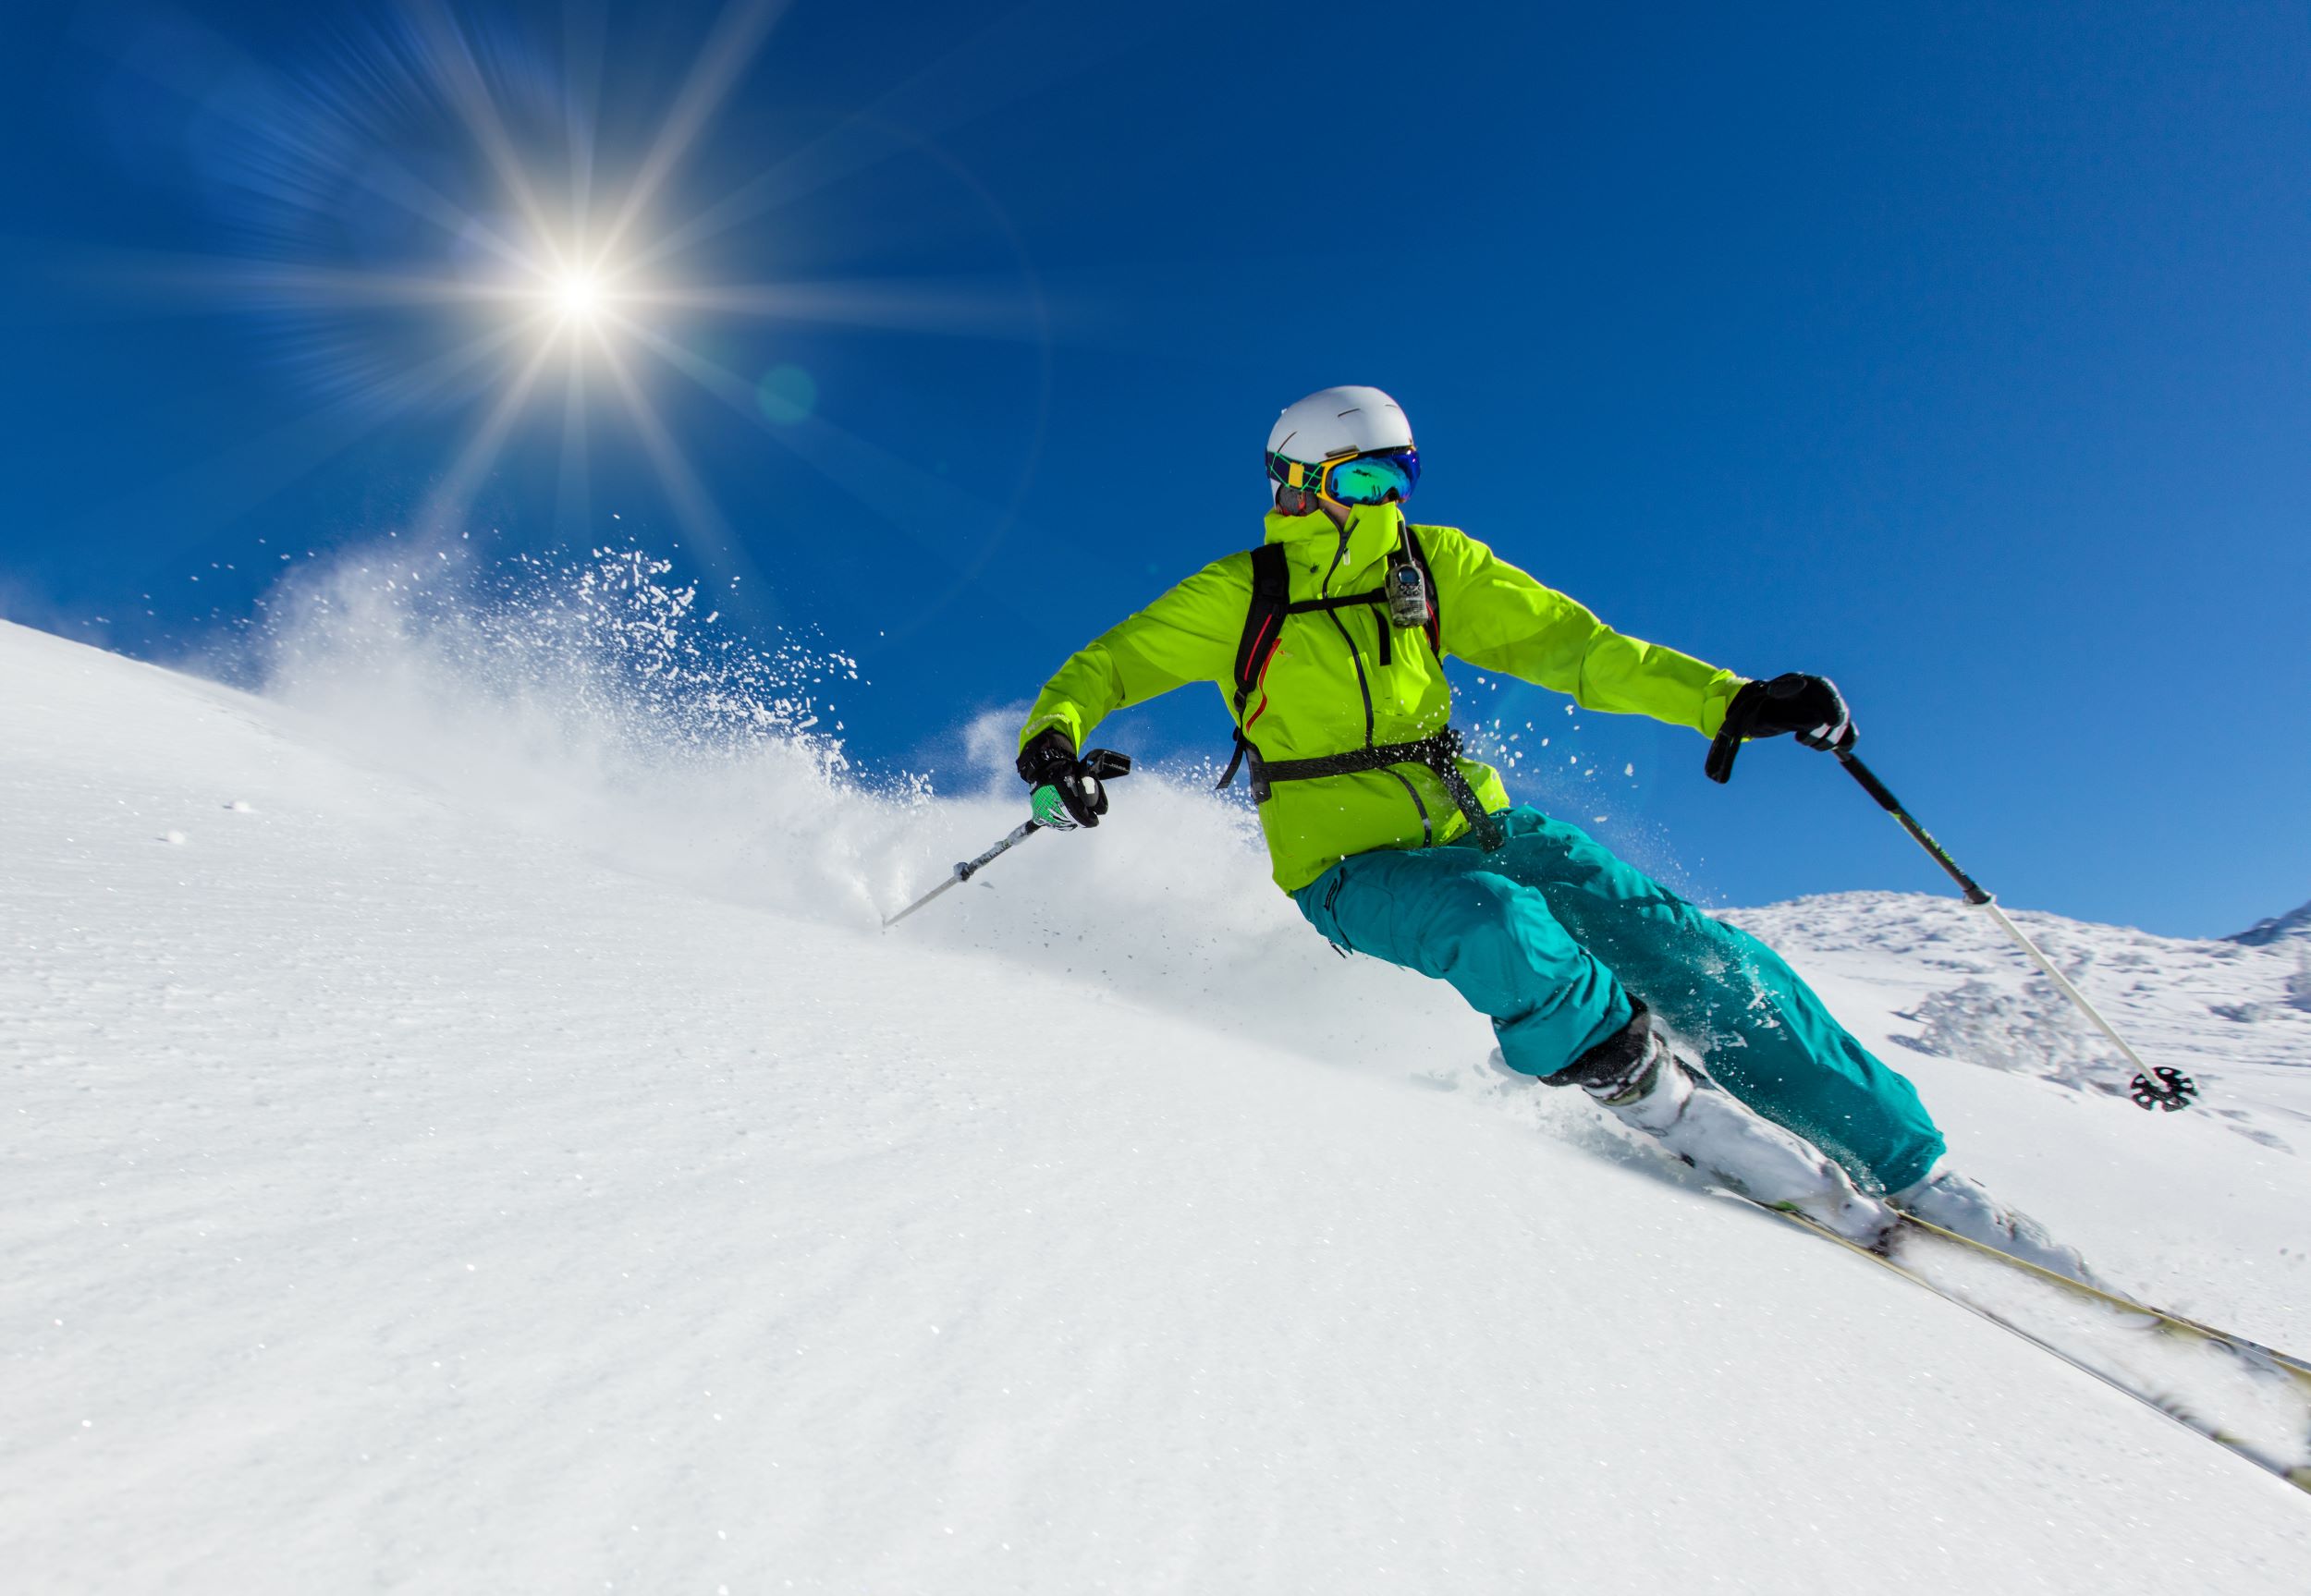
[1352, 601]
[1441, 751]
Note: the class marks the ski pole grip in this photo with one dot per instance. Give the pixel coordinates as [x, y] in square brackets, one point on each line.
[1870, 783]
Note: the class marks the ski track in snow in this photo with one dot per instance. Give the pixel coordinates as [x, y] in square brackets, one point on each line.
[445, 1155]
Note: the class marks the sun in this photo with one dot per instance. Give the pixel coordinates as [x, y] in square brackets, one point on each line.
[578, 296]
[550, 271]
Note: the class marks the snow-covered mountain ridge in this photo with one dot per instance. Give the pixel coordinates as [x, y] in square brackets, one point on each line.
[455, 1143]
[2233, 1014]
[2292, 926]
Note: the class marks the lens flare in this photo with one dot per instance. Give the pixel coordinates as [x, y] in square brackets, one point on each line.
[578, 294]
[442, 227]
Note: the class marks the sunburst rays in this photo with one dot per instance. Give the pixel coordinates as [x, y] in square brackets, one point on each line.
[572, 257]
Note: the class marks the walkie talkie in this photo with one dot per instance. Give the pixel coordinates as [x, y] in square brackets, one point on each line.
[1408, 592]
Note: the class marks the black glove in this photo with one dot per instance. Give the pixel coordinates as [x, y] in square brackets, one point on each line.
[1809, 706]
[1050, 761]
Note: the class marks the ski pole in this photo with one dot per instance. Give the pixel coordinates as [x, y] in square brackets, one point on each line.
[2160, 1088]
[966, 870]
[1100, 764]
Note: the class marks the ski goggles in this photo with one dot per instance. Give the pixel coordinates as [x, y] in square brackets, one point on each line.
[1355, 478]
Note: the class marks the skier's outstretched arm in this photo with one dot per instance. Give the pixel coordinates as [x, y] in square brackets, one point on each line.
[1188, 635]
[1500, 618]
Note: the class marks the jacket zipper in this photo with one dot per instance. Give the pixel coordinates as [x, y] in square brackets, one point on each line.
[1325, 590]
[1362, 686]
[1428, 828]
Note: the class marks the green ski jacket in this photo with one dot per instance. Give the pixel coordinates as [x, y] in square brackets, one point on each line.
[1325, 691]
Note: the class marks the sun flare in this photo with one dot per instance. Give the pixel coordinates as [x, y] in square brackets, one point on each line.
[578, 294]
[560, 259]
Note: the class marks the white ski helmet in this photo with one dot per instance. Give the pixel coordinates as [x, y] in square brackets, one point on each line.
[1335, 422]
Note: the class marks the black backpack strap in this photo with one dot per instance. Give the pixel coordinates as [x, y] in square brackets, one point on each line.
[1262, 622]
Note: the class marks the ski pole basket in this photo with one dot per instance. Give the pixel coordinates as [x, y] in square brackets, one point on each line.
[2163, 1088]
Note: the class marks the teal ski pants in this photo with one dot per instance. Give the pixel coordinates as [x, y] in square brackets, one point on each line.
[1550, 935]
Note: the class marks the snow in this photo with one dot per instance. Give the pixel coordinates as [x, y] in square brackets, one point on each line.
[458, 1143]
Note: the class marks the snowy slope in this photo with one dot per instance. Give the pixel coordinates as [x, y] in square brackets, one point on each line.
[448, 1153]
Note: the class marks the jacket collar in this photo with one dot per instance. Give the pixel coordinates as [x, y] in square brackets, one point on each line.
[1372, 531]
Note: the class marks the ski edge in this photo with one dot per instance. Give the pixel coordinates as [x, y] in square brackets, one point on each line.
[2298, 1477]
[2286, 1363]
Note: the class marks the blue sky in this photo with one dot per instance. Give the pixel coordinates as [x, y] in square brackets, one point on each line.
[1963, 353]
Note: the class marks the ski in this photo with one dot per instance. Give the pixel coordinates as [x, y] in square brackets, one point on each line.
[2169, 1321]
[2277, 1382]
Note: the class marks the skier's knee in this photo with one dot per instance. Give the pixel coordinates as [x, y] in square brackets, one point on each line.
[1493, 931]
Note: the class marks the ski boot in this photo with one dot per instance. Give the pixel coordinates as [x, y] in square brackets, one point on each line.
[1647, 1084]
[1960, 1205]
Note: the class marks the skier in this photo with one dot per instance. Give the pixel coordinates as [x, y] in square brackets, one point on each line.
[1328, 641]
